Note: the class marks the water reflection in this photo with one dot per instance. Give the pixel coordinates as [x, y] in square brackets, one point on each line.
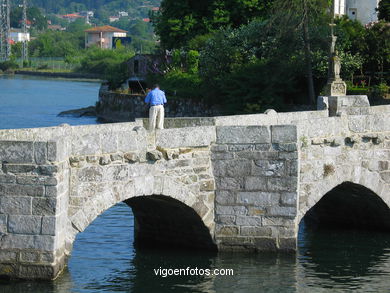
[343, 259]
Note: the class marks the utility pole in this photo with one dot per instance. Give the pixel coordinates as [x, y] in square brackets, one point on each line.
[24, 31]
[5, 28]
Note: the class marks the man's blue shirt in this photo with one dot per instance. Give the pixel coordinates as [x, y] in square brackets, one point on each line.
[156, 97]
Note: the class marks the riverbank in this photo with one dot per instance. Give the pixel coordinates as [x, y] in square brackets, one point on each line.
[67, 75]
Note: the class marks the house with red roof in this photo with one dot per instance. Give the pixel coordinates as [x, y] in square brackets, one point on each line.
[102, 36]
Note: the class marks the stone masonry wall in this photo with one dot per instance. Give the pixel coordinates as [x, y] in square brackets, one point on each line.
[256, 173]
[33, 209]
[116, 107]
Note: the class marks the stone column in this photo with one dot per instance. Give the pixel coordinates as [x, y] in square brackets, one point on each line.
[33, 208]
[256, 173]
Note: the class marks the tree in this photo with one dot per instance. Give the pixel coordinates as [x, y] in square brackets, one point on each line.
[34, 15]
[299, 15]
[180, 21]
[384, 10]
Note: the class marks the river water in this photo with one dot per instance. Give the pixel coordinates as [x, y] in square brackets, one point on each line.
[104, 259]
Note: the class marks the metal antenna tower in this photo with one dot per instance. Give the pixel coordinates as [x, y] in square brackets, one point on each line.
[5, 28]
[24, 30]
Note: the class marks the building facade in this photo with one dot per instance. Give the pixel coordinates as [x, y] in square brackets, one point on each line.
[362, 10]
[17, 36]
[102, 36]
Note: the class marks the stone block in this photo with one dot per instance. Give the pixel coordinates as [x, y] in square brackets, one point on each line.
[109, 142]
[285, 147]
[91, 174]
[243, 134]
[36, 180]
[225, 197]
[131, 157]
[256, 183]
[268, 168]
[256, 231]
[7, 178]
[58, 151]
[16, 205]
[284, 133]
[219, 148]
[116, 173]
[225, 220]
[29, 256]
[258, 155]
[88, 144]
[185, 137]
[232, 168]
[288, 244]
[8, 256]
[265, 243]
[21, 190]
[288, 199]
[256, 211]
[385, 176]
[24, 224]
[44, 206]
[154, 155]
[49, 225]
[17, 241]
[229, 183]
[40, 152]
[207, 185]
[227, 231]
[260, 199]
[248, 221]
[49, 170]
[222, 156]
[3, 224]
[20, 168]
[282, 184]
[231, 210]
[16, 152]
[276, 211]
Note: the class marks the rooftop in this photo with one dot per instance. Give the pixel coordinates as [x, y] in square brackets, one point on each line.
[105, 28]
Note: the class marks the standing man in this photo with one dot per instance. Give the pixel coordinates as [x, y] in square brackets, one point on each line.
[156, 100]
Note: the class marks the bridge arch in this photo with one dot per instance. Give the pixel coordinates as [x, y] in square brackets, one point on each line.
[155, 201]
[356, 177]
[350, 206]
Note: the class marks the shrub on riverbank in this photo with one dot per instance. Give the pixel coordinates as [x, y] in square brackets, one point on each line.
[110, 64]
[8, 65]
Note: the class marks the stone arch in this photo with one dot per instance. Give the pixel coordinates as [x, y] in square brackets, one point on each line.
[352, 206]
[311, 193]
[161, 189]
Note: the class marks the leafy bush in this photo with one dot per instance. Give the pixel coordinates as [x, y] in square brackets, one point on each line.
[6, 65]
[182, 84]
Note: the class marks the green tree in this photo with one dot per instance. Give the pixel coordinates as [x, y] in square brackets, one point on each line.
[34, 15]
[384, 10]
[180, 21]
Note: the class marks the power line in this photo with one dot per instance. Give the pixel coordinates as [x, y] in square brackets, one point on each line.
[5, 29]
[24, 31]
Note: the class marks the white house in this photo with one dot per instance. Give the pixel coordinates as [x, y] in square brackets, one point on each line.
[102, 36]
[362, 10]
[17, 36]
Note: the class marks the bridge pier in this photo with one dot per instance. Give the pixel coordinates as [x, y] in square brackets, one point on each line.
[256, 173]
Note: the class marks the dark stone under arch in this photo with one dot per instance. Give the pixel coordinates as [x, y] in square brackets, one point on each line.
[161, 221]
[349, 206]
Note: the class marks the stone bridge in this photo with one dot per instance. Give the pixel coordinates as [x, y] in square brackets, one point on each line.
[235, 183]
